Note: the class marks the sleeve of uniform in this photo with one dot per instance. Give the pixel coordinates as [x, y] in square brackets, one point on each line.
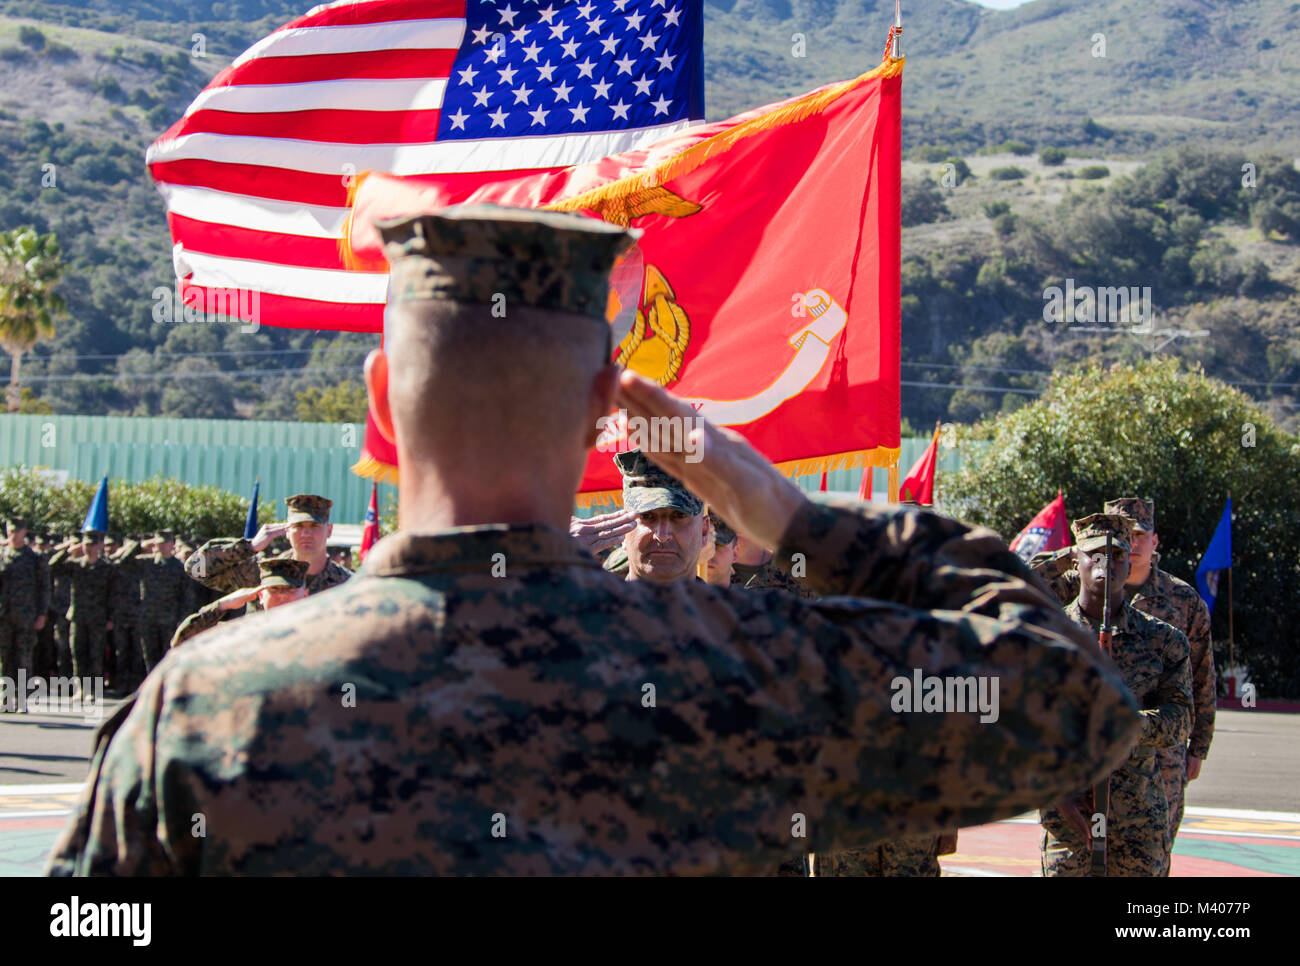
[42, 585]
[1057, 568]
[209, 615]
[224, 565]
[1169, 722]
[1205, 681]
[117, 828]
[945, 600]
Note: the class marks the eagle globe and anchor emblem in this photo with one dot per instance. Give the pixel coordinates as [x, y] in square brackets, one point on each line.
[653, 330]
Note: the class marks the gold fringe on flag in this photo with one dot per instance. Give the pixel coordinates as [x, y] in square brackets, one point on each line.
[372, 469]
[697, 154]
[881, 456]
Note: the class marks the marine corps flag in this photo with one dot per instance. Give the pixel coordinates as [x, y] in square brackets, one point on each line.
[766, 287]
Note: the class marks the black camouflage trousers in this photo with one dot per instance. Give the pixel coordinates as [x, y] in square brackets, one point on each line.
[17, 648]
[88, 643]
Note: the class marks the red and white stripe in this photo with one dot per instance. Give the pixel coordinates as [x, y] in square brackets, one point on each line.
[255, 176]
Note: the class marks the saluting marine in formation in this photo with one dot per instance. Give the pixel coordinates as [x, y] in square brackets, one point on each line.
[283, 580]
[229, 564]
[1152, 657]
[517, 709]
[24, 600]
[90, 582]
[1163, 596]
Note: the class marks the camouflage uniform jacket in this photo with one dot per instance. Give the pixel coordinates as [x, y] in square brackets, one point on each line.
[1166, 598]
[124, 590]
[229, 564]
[209, 615]
[1152, 658]
[768, 576]
[430, 717]
[89, 587]
[166, 589]
[25, 579]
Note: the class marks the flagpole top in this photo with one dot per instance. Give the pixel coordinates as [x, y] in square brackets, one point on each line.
[898, 28]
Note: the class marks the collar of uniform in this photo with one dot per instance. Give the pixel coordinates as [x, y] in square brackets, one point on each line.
[1121, 623]
[461, 548]
[1151, 586]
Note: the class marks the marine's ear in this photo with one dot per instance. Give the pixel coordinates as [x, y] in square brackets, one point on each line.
[376, 375]
[600, 403]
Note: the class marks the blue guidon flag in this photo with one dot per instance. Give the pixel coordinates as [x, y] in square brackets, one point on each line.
[257, 175]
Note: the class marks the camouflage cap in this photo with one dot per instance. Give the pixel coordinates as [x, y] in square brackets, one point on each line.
[722, 529]
[479, 253]
[308, 508]
[15, 523]
[163, 536]
[282, 572]
[1141, 512]
[92, 536]
[647, 487]
[1090, 532]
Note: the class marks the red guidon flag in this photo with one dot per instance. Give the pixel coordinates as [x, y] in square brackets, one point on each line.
[918, 485]
[370, 533]
[1046, 532]
[766, 281]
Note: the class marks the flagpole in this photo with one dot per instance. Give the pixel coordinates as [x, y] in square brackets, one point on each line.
[1231, 662]
[898, 27]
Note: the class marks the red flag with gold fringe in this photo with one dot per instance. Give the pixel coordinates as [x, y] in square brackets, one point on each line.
[769, 289]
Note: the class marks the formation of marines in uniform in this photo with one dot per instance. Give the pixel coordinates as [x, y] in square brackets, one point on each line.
[484, 698]
[92, 606]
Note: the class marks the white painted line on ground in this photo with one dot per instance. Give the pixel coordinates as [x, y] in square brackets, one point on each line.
[1245, 813]
[41, 789]
[59, 814]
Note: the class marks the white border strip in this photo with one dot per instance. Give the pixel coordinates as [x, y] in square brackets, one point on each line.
[437, 34]
[400, 94]
[256, 214]
[441, 157]
[292, 281]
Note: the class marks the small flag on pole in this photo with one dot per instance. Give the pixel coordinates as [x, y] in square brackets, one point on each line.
[370, 535]
[864, 488]
[1045, 532]
[822, 487]
[250, 524]
[97, 516]
[1218, 557]
[918, 485]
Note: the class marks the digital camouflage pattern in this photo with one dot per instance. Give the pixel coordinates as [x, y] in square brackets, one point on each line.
[24, 596]
[724, 535]
[392, 726]
[1152, 658]
[479, 254]
[647, 487]
[308, 508]
[1092, 532]
[769, 576]
[1164, 597]
[1141, 512]
[282, 572]
[209, 615]
[90, 597]
[168, 595]
[125, 608]
[226, 564]
[912, 857]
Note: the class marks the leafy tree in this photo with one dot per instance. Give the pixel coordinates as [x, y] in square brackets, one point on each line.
[30, 267]
[1157, 430]
[959, 167]
[922, 203]
[341, 403]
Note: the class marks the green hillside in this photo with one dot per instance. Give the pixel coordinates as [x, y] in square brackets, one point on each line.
[87, 86]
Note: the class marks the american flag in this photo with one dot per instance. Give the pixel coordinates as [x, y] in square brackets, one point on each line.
[256, 175]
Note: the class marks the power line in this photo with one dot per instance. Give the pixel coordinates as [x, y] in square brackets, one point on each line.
[230, 374]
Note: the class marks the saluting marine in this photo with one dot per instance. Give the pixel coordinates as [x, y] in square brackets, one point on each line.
[515, 709]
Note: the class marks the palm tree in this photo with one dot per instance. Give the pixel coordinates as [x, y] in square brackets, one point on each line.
[30, 267]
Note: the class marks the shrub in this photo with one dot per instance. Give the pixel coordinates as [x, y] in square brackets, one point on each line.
[1092, 172]
[1007, 174]
[1051, 157]
[30, 36]
[993, 209]
[1159, 431]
